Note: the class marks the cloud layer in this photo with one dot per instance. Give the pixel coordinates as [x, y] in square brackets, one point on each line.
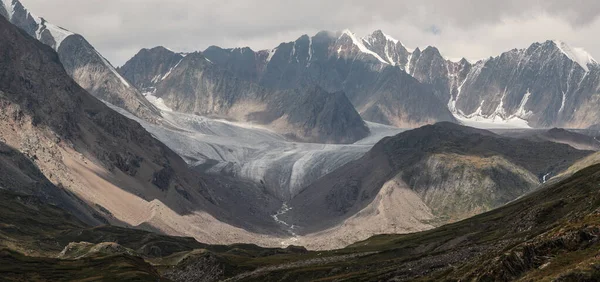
[460, 28]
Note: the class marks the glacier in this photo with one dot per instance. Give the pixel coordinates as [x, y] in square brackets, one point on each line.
[252, 152]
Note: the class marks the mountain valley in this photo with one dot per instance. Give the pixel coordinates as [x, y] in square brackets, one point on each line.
[332, 157]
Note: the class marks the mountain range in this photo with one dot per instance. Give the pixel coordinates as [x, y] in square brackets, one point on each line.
[326, 142]
[548, 84]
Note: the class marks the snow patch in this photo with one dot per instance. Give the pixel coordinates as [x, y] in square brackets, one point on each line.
[389, 57]
[497, 119]
[310, 51]
[492, 122]
[157, 102]
[578, 55]
[171, 70]
[521, 112]
[59, 34]
[271, 53]
[562, 104]
[9, 6]
[293, 54]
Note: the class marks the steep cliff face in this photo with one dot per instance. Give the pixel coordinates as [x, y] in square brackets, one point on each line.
[82, 62]
[149, 66]
[456, 171]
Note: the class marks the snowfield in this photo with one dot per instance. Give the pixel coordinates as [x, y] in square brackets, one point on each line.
[252, 152]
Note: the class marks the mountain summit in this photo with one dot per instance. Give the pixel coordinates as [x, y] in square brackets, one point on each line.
[81, 61]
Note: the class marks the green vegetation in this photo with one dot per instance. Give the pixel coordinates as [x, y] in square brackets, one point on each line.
[549, 234]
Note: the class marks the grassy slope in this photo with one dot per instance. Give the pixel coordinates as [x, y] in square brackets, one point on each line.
[548, 234]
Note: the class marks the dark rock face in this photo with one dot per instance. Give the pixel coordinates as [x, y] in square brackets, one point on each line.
[148, 66]
[457, 171]
[398, 99]
[244, 62]
[197, 85]
[326, 116]
[83, 63]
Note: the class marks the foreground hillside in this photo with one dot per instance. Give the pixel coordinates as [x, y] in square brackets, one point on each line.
[549, 235]
[420, 179]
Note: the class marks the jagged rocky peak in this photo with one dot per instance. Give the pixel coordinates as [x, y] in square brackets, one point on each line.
[82, 61]
[389, 48]
[381, 46]
[149, 66]
[379, 36]
[350, 45]
[36, 27]
[244, 62]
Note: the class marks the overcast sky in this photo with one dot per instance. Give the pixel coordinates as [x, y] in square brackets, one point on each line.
[460, 28]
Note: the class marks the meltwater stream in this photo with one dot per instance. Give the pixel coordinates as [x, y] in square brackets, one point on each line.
[288, 227]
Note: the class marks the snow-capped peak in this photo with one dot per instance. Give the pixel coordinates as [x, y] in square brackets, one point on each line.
[59, 33]
[371, 38]
[9, 6]
[361, 46]
[578, 55]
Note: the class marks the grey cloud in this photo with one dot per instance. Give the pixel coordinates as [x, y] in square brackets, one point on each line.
[118, 28]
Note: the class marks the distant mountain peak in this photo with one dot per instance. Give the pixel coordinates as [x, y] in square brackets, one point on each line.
[14, 8]
[360, 44]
